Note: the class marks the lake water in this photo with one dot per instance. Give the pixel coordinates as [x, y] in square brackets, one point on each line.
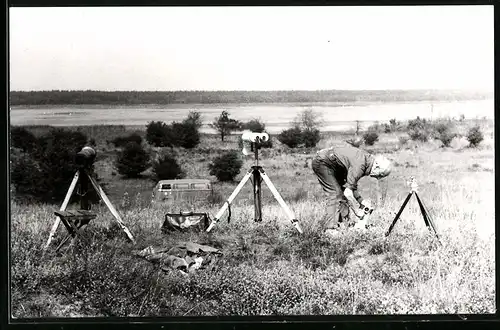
[276, 116]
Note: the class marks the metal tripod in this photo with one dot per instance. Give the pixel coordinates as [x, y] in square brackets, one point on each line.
[257, 175]
[423, 209]
[84, 177]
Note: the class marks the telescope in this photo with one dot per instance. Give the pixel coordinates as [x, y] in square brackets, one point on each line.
[85, 157]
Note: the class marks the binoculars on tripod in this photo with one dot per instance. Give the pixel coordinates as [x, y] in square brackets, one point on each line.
[252, 140]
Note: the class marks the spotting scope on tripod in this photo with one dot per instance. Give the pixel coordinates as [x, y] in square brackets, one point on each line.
[252, 143]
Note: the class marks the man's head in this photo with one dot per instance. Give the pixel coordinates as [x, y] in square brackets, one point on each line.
[381, 167]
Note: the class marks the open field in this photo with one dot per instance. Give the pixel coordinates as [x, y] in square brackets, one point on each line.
[268, 268]
[337, 115]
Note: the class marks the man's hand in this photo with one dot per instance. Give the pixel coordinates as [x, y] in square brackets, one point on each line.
[353, 203]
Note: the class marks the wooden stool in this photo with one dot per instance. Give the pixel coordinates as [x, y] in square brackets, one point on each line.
[73, 221]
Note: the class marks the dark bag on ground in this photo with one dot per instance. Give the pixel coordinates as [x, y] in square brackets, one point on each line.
[185, 221]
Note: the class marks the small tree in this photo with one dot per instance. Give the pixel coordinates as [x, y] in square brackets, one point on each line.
[194, 118]
[132, 161]
[226, 167]
[166, 168]
[308, 120]
[291, 137]
[475, 136]
[225, 125]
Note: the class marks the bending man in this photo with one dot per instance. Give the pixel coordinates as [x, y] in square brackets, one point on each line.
[338, 170]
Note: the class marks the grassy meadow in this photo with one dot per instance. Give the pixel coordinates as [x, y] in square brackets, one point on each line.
[268, 268]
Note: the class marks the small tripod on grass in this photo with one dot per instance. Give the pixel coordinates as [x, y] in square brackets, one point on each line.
[256, 174]
[423, 209]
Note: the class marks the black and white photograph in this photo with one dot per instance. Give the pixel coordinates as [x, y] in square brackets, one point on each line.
[192, 161]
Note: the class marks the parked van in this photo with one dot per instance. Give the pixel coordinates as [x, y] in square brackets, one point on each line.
[182, 188]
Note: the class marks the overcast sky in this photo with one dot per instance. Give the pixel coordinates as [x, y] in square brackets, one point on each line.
[252, 48]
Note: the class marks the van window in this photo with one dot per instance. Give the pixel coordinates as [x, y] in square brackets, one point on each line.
[200, 186]
[182, 186]
[166, 186]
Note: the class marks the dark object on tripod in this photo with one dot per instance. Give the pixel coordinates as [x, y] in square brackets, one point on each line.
[423, 209]
[85, 157]
[84, 215]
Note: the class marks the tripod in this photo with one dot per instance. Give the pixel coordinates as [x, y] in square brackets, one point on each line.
[83, 216]
[423, 209]
[256, 174]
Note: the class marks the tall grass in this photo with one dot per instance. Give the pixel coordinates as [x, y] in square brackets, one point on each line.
[267, 268]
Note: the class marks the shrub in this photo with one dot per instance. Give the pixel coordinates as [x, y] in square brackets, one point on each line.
[310, 137]
[475, 136]
[443, 132]
[46, 172]
[194, 118]
[166, 168]
[370, 138]
[185, 134]
[291, 137]
[121, 141]
[132, 161]
[21, 138]
[255, 125]
[419, 129]
[26, 176]
[226, 167]
[159, 134]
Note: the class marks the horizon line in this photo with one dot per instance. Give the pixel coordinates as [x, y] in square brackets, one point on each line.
[256, 90]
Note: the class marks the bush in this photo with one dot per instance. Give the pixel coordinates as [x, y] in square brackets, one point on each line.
[45, 173]
[291, 137]
[166, 168]
[121, 141]
[254, 125]
[132, 161]
[310, 137]
[419, 129]
[194, 118]
[443, 132]
[370, 138]
[475, 136]
[226, 167]
[25, 175]
[159, 134]
[185, 134]
[225, 125]
[21, 138]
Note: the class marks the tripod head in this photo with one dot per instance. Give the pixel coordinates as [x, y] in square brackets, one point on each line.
[254, 140]
[412, 183]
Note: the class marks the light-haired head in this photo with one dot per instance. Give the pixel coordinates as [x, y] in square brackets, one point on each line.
[381, 167]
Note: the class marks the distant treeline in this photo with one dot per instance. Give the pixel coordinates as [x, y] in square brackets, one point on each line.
[207, 97]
